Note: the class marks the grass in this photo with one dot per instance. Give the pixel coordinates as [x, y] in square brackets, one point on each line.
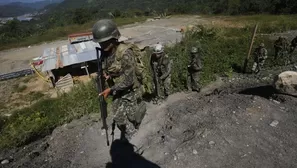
[42, 117]
[61, 33]
[19, 88]
[223, 51]
[267, 23]
[33, 96]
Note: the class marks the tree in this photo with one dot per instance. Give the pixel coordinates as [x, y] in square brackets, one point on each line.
[81, 16]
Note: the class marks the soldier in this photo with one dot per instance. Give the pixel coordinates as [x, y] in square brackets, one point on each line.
[293, 45]
[194, 69]
[161, 65]
[281, 47]
[260, 55]
[119, 69]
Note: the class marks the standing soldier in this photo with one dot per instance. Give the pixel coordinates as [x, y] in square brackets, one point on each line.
[282, 47]
[260, 55]
[293, 45]
[119, 68]
[194, 69]
[162, 67]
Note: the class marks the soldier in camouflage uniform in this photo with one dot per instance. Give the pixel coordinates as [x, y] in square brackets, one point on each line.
[194, 69]
[162, 66]
[282, 47]
[119, 72]
[260, 55]
[293, 45]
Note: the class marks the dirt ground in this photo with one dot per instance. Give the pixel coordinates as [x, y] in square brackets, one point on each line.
[245, 124]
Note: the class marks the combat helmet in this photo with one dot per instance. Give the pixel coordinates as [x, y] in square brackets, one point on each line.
[194, 50]
[159, 48]
[104, 30]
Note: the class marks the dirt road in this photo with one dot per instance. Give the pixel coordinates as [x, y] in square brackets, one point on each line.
[150, 32]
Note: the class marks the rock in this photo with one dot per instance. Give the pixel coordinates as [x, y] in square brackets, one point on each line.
[286, 82]
[175, 158]
[5, 162]
[195, 152]
[211, 143]
[274, 123]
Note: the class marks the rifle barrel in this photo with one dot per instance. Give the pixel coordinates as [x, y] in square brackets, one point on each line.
[102, 102]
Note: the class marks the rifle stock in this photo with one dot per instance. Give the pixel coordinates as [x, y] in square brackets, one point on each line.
[101, 88]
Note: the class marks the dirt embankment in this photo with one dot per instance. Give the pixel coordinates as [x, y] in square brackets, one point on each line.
[246, 125]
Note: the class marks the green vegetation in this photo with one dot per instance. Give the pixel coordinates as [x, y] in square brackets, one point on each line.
[78, 15]
[33, 96]
[13, 39]
[267, 23]
[221, 50]
[41, 118]
[19, 88]
[14, 10]
[18, 8]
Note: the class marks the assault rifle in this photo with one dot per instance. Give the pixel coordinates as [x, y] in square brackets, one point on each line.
[101, 88]
[156, 80]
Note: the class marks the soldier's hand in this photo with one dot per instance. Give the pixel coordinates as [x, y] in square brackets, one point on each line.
[106, 76]
[105, 93]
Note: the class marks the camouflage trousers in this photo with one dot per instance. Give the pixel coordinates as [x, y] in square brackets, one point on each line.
[129, 107]
[285, 56]
[257, 66]
[166, 86]
[193, 81]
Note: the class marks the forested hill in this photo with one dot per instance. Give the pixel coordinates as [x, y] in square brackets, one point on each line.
[20, 8]
[190, 6]
[12, 10]
[80, 13]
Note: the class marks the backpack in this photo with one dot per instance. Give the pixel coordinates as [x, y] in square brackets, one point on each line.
[142, 68]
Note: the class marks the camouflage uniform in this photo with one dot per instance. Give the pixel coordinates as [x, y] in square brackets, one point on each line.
[127, 95]
[194, 69]
[293, 44]
[260, 55]
[162, 67]
[282, 47]
[120, 65]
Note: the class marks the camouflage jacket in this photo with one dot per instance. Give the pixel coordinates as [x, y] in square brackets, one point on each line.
[162, 66]
[294, 42]
[195, 64]
[282, 44]
[260, 54]
[122, 72]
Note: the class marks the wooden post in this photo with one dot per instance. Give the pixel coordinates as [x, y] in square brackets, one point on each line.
[250, 49]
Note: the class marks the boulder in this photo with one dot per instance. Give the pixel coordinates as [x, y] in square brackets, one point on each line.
[286, 82]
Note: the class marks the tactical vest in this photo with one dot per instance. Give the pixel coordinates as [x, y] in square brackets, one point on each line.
[142, 77]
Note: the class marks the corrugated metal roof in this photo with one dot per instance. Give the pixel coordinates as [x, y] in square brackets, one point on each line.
[69, 54]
